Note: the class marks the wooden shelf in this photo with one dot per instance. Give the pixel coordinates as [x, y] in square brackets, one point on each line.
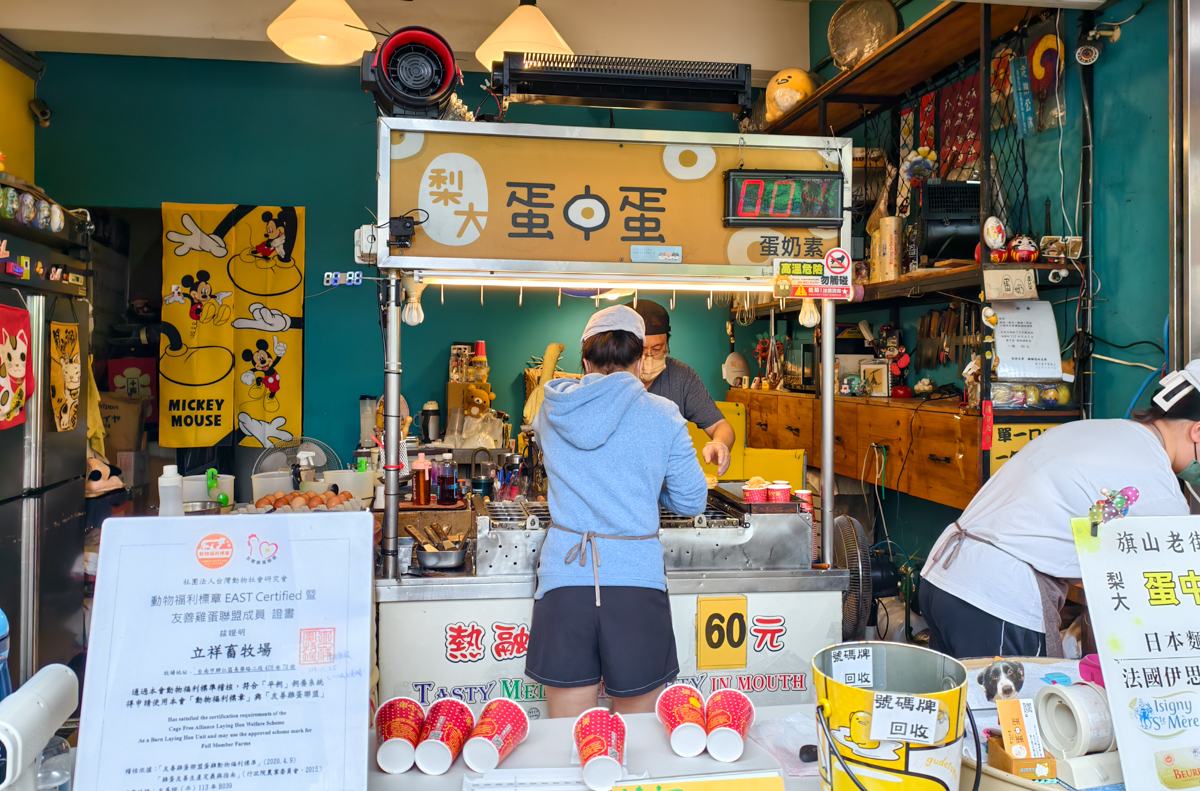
[934, 43]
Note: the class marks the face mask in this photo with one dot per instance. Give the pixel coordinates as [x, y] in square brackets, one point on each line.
[1191, 473]
[653, 366]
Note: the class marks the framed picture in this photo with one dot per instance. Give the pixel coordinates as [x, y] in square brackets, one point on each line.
[875, 377]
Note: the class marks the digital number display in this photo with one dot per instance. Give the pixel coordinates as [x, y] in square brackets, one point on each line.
[795, 199]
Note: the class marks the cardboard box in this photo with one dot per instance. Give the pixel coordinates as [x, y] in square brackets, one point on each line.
[133, 465]
[123, 422]
[1024, 768]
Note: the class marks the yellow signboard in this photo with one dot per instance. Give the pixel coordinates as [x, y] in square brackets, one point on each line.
[738, 782]
[1008, 438]
[720, 632]
[546, 198]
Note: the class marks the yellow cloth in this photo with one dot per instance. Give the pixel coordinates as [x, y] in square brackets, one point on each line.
[231, 355]
[95, 425]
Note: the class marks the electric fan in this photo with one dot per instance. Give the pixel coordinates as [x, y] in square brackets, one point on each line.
[872, 576]
[411, 73]
[282, 456]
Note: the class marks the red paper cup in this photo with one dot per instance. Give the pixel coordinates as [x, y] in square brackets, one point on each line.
[502, 726]
[729, 715]
[398, 729]
[680, 709]
[806, 501]
[779, 492]
[754, 494]
[600, 738]
[442, 736]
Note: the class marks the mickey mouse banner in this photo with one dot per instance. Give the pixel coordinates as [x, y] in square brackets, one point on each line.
[231, 357]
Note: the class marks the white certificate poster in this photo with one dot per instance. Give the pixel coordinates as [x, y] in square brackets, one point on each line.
[1027, 340]
[1142, 578]
[229, 653]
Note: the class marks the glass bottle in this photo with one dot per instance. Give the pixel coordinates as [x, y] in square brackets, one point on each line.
[447, 485]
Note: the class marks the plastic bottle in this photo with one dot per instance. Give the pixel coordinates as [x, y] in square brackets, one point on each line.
[447, 485]
[422, 472]
[170, 492]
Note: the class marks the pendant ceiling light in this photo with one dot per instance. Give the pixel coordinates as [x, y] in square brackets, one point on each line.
[325, 32]
[525, 30]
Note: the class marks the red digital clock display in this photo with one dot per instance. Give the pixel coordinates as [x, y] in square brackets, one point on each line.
[806, 199]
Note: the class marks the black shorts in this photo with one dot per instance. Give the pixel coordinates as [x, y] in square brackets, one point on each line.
[627, 642]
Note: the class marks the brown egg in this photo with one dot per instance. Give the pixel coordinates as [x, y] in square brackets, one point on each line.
[344, 496]
[279, 494]
[279, 502]
[264, 503]
[328, 494]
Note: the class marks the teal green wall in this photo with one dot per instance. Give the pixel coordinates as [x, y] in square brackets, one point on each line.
[137, 132]
[1131, 212]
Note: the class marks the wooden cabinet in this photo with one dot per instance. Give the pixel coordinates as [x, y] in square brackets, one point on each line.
[932, 450]
[885, 428]
[794, 423]
[943, 463]
[761, 419]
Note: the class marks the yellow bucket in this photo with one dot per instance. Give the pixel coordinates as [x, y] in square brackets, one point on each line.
[882, 759]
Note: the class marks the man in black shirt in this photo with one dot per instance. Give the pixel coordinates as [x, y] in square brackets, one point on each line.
[667, 377]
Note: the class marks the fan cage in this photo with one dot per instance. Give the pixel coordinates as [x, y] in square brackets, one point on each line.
[850, 553]
[416, 53]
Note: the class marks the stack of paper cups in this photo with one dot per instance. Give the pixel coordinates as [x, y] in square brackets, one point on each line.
[398, 729]
[446, 727]
[600, 738]
[729, 715]
[680, 709]
[502, 726]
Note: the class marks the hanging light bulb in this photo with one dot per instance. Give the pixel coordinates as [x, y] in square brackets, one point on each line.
[525, 30]
[809, 315]
[325, 32]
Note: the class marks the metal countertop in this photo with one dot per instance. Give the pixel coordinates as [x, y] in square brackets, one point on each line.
[522, 586]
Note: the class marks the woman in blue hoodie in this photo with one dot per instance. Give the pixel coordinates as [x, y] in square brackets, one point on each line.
[613, 454]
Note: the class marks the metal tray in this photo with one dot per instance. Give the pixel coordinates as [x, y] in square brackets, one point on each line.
[731, 493]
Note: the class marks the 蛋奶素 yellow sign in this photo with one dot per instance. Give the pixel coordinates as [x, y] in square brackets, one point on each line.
[720, 632]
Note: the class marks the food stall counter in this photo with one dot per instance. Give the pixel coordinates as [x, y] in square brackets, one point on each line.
[648, 751]
[417, 589]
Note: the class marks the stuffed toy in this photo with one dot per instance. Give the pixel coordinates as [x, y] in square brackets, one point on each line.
[479, 402]
[786, 90]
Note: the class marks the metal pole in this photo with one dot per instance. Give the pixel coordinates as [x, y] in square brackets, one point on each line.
[391, 426]
[828, 332]
[986, 186]
[1084, 379]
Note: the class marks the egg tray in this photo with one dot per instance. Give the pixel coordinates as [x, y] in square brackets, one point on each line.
[351, 505]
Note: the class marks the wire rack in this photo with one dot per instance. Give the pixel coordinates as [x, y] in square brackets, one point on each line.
[943, 114]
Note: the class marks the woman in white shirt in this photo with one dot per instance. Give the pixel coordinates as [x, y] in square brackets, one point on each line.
[996, 578]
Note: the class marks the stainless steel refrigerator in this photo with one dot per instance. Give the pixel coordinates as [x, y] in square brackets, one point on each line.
[42, 508]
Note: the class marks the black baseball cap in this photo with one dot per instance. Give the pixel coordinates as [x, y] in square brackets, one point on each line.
[658, 320]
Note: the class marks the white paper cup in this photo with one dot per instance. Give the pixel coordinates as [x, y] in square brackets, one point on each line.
[433, 757]
[726, 745]
[601, 773]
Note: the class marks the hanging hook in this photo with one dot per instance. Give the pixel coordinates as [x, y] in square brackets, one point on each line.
[672, 300]
[741, 152]
[521, 297]
[443, 293]
[635, 299]
[596, 299]
[21, 297]
[710, 300]
[560, 297]
[481, 296]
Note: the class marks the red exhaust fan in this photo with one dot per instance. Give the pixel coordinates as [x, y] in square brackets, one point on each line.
[411, 73]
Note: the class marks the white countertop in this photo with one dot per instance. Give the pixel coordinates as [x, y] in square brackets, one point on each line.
[549, 745]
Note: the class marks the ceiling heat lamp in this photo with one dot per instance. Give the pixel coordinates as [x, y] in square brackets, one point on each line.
[603, 81]
[411, 73]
